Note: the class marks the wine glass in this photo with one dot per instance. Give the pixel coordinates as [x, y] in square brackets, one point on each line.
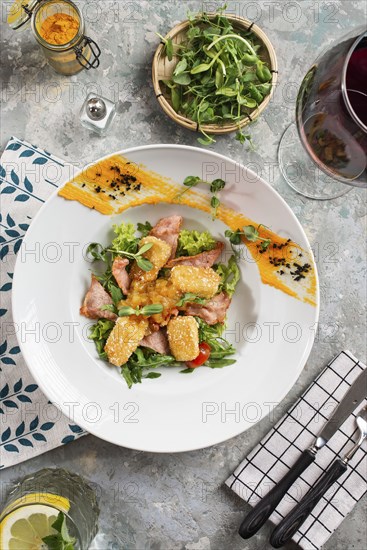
[326, 148]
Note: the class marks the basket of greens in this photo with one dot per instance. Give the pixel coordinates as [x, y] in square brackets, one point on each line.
[214, 73]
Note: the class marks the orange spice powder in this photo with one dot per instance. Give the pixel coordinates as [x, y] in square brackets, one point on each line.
[59, 28]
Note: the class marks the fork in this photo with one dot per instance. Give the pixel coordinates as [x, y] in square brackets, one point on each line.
[293, 521]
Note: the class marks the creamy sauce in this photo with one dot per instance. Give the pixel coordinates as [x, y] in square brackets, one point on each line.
[113, 185]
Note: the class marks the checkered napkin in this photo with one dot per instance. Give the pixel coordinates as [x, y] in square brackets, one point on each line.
[30, 424]
[295, 432]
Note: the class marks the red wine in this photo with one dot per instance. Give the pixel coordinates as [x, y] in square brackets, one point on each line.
[331, 111]
[356, 81]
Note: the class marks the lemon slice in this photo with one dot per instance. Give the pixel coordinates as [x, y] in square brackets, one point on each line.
[61, 503]
[24, 528]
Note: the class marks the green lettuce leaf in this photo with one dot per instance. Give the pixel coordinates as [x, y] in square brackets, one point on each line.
[125, 238]
[230, 275]
[194, 242]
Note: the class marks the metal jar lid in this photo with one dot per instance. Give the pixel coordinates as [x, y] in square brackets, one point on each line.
[21, 12]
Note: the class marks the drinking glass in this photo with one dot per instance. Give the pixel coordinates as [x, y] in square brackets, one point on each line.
[324, 153]
[56, 490]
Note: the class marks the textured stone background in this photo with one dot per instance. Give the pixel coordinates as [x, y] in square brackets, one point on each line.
[178, 501]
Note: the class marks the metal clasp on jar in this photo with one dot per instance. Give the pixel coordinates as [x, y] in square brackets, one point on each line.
[96, 52]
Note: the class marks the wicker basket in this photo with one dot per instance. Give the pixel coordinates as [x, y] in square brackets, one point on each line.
[162, 69]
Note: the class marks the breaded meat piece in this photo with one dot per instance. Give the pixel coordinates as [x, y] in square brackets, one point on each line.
[124, 339]
[183, 338]
[158, 254]
[203, 281]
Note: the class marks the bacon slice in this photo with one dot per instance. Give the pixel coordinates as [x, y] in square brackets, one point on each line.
[157, 341]
[213, 311]
[168, 229]
[204, 259]
[121, 275]
[95, 298]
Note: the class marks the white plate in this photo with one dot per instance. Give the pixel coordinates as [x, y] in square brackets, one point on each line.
[272, 331]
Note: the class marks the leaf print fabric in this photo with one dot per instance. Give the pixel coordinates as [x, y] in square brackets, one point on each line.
[24, 433]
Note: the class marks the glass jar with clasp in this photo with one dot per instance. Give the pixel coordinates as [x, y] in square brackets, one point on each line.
[59, 28]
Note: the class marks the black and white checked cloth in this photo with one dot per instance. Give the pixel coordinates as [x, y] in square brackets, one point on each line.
[296, 431]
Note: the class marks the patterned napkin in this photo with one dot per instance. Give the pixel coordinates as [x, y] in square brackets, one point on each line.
[296, 431]
[30, 424]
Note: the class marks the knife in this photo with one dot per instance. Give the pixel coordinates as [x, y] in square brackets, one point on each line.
[293, 521]
[266, 506]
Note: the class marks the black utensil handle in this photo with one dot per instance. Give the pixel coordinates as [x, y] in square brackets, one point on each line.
[263, 509]
[293, 521]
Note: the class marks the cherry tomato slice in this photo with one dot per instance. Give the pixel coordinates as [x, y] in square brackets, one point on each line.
[204, 354]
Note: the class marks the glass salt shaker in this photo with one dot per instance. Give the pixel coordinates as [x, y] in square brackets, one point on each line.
[58, 26]
[97, 113]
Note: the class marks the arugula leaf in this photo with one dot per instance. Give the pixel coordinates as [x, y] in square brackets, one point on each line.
[187, 371]
[212, 335]
[145, 359]
[144, 228]
[219, 363]
[115, 291]
[96, 252]
[152, 375]
[99, 332]
[125, 371]
[62, 539]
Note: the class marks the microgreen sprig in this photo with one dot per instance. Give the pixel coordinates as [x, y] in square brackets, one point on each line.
[215, 186]
[168, 46]
[220, 76]
[250, 233]
[142, 262]
[151, 309]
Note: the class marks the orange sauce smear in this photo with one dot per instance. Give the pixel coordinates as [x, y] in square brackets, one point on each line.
[96, 186]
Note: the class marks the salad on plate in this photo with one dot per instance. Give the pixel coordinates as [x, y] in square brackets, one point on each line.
[160, 297]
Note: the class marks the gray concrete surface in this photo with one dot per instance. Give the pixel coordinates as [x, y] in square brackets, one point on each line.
[178, 501]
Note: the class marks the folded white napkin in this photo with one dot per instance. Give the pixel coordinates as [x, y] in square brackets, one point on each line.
[294, 433]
